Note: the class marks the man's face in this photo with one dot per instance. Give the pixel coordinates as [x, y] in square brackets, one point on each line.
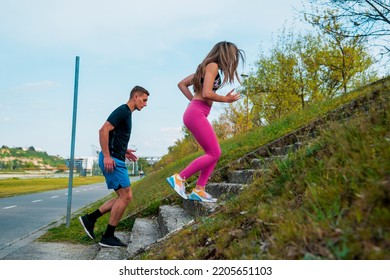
[141, 101]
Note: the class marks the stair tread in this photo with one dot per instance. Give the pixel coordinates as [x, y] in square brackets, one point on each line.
[224, 183]
[172, 218]
[114, 253]
[145, 232]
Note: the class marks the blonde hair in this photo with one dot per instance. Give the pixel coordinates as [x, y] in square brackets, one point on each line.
[227, 56]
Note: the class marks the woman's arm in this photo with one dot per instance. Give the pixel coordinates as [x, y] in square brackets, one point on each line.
[208, 82]
[184, 86]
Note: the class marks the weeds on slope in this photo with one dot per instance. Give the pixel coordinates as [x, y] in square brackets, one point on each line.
[327, 201]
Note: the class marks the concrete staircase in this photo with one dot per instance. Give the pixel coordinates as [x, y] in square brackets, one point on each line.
[147, 231]
[230, 180]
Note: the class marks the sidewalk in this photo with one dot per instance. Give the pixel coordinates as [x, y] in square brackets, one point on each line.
[53, 251]
[29, 248]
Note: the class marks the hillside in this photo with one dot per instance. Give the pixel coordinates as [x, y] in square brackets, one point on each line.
[18, 159]
[313, 185]
[328, 197]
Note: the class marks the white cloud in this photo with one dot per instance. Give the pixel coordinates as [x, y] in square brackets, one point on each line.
[135, 29]
[121, 43]
[4, 119]
[37, 86]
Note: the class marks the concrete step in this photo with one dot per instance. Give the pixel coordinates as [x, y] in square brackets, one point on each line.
[114, 253]
[172, 218]
[145, 232]
[284, 150]
[263, 163]
[224, 189]
[245, 176]
[148, 231]
[199, 209]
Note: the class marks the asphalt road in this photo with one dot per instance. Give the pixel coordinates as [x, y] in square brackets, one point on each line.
[25, 215]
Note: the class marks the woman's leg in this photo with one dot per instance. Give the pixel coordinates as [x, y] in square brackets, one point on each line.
[196, 121]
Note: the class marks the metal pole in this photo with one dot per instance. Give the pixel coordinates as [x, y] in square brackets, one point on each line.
[71, 163]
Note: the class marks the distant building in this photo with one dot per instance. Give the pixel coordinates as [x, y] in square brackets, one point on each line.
[84, 165]
[152, 159]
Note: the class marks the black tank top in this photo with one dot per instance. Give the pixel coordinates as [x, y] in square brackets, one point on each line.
[217, 82]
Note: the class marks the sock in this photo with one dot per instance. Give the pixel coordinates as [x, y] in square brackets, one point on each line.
[94, 215]
[180, 178]
[199, 188]
[109, 231]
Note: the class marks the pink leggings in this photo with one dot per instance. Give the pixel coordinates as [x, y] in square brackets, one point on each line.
[195, 119]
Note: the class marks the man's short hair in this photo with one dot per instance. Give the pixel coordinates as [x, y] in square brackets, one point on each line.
[137, 89]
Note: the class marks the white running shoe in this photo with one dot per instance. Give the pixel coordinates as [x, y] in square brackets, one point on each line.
[177, 185]
[202, 196]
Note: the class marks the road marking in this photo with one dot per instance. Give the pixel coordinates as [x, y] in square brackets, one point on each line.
[54, 196]
[35, 201]
[9, 207]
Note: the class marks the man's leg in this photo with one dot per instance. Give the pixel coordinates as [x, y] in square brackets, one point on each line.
[117, 207]
[107, 206]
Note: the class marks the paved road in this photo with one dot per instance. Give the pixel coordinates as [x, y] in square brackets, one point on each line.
[22, 216]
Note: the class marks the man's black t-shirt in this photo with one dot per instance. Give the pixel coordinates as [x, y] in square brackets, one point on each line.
[119, 137]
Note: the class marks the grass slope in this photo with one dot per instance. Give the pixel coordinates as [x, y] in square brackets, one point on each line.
[329, 200]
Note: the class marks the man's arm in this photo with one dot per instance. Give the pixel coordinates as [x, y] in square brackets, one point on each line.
[104, 133]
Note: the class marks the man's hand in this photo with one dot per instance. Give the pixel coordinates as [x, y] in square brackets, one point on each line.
[130, 156]
[109, 164]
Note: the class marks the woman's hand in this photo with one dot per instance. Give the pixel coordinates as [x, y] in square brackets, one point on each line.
[230, 97]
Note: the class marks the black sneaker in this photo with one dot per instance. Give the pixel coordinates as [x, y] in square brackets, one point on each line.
[88, 226]
[111, 242]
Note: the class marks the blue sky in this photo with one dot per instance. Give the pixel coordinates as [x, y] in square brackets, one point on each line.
[120, 44]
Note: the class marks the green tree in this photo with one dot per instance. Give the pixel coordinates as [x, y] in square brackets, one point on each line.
[302, 69]
[343, 56]
[235, 119]
[286, 79]
[364, 18]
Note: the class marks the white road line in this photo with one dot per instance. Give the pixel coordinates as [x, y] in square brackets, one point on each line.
[54, 196]
[35, 201]
[9, 207]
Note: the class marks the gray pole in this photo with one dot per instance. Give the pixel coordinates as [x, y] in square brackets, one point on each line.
[71, 163]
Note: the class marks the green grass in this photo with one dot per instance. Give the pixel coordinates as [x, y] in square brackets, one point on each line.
[328, 201]
[12, 187]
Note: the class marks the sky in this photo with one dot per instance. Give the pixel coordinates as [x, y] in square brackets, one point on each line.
[121, 43]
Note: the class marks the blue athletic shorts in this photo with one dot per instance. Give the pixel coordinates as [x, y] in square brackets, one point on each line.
[119, 178]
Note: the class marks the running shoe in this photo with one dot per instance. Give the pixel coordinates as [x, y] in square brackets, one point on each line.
[202, 196]
[87, 225]
[111, 242]
[177, 185]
